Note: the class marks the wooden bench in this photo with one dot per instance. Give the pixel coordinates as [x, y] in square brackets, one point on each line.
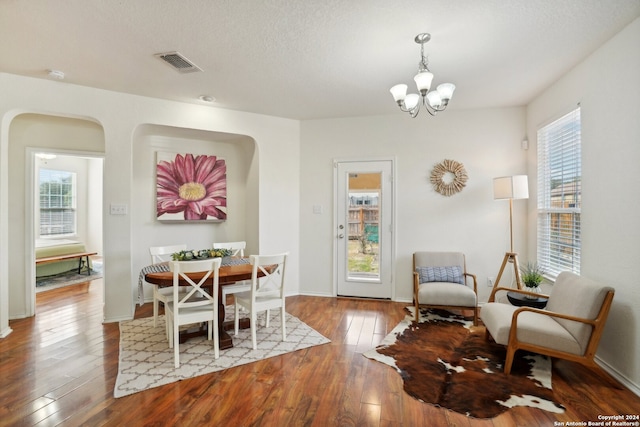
[80, 255]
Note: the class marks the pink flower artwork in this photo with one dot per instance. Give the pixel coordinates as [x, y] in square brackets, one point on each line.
[190, 188]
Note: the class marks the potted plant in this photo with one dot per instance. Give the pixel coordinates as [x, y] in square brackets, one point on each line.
[532, 276]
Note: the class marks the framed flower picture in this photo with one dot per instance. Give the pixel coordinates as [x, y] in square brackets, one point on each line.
[190, 187]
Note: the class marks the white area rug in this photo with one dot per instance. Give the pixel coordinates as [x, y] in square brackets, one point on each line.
[146, 361]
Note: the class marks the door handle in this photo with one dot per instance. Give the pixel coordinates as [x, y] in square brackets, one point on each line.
[341, 236]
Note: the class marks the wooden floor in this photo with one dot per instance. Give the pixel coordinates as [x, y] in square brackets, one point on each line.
[60, 367]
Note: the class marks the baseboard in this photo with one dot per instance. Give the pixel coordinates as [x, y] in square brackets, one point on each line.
[117, 319]
[325, 295]
[635, 389]
[6, 332]
[312, 294]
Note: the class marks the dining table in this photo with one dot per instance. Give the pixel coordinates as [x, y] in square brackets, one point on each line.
[232, 270]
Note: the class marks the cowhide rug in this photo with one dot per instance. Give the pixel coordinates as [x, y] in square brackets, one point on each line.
[446, 361]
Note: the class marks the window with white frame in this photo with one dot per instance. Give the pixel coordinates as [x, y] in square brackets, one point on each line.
[57, 202]
[559, 195]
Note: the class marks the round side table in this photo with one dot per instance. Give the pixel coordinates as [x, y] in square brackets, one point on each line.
[521, 300]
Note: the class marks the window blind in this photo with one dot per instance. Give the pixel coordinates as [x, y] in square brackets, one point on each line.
[57, 202]
[559, 195]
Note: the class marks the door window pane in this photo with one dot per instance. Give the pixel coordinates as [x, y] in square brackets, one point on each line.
[363, 226]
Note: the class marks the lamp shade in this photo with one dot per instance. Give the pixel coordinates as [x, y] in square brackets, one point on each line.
[423, 80]
[399, 92]
[446, 90]
[511, 187]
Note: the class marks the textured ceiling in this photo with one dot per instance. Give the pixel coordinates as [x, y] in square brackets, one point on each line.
[307, 59]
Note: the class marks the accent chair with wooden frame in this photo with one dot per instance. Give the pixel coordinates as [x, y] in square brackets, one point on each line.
[440, 280]
[569, 328]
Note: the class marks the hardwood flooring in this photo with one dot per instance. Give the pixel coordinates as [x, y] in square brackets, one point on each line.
[60, 367]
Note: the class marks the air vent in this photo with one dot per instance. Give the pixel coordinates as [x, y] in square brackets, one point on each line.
[179, 62]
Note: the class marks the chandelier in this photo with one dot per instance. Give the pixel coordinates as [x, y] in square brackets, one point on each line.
[433, 101]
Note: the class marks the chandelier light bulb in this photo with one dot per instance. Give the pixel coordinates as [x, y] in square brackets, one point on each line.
[411, 101]
[434, 99]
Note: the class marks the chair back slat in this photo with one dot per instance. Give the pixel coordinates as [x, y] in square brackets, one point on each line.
[197, 294]
[272, 268]
[163, 253]
[237, 248]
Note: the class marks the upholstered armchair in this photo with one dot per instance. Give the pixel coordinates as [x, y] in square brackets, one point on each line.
[569, 328]
[440, 280]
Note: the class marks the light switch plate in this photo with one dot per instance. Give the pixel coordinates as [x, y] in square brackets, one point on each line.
[118, 209]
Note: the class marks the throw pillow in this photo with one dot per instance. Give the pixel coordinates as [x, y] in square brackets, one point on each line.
[451, 274]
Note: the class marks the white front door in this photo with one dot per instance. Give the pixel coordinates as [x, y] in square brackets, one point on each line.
[364, 228]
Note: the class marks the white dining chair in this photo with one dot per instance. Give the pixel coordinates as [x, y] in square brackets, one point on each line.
[237, 250]
[267, 292]
[198, 304]
[162, 254]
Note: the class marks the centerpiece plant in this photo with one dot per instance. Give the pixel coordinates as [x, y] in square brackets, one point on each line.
[532, 276]
[192, 255]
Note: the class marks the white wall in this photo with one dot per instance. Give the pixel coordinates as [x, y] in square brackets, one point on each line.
[274, 182]
[94, 205]
[486, 141]
[607, 86]
[242, 210]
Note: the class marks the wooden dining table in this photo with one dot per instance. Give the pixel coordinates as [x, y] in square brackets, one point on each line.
[228, 275]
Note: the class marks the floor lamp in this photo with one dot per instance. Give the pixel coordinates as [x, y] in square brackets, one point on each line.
[510, 188]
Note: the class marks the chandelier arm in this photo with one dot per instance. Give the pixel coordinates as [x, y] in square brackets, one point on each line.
[428, 107]
[423, 100]
[413, 112]
[431, 108]
[403, 108]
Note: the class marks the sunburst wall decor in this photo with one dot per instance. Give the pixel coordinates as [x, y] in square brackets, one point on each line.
[449, 177]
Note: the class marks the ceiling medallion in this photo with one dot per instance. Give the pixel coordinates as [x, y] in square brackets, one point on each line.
[449, 177]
